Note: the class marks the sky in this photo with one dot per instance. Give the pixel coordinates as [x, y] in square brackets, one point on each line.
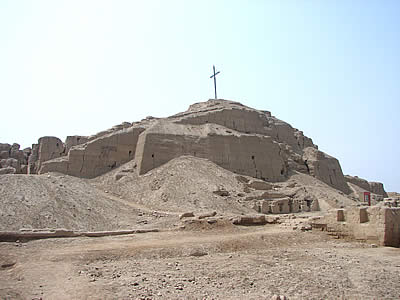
[329, 68]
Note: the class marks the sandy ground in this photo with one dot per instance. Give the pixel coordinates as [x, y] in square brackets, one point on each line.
[203, 260]
[226, 262]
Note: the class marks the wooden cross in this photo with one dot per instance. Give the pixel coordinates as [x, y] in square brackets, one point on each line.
[215, 81]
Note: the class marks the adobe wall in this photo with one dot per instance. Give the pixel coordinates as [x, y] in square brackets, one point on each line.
[392, 227]
[325, 168]
[253, 155]
[373, 187]
[376, 224]
[362, 183]
[250, 121]
[13, 160]
[285, 206]
[377, 188]
[97, 156]
[75, 140]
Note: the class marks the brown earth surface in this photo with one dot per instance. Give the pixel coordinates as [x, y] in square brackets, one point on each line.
[225, 262]
[155, 199]
[189, 258]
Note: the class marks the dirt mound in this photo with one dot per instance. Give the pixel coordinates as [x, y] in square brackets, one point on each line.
[183, 184]
[60, 201]
[194, 184]
[300, 186]
[122, 199]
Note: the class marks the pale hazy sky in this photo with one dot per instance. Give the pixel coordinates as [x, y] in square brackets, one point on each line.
[329, 68]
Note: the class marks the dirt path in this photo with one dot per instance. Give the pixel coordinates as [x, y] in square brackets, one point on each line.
[253, 262]
[135, 205]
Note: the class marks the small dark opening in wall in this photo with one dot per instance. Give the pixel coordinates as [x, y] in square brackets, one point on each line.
[78, 139]
[308, 168]
[282, 171]
[152, 155]
[130, 152]
[57, 144]
[252, 157]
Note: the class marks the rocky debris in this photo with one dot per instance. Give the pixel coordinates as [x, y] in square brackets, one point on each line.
[7, 170]
[186, 215]
[198, 253]
[242, 179]
[184, 184]
[11, 163]
[221, 192]
[60, 201]
[279, 297]
[259, 185]
[250, 220]
[207, 215]
[391, 202]
[272, 219]
[118, 176]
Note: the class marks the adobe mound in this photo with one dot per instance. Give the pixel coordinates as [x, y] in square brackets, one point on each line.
[183, 184]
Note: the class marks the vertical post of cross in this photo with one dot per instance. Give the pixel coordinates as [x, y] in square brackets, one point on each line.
[215, 81]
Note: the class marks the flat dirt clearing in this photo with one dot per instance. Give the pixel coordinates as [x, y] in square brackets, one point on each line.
[223, 263]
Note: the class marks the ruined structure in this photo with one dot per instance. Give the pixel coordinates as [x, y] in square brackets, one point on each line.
[380, 225]
[13, 160]
[238, 138]
[373, 187]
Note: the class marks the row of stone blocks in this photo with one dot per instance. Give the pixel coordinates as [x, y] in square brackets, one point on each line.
[285, 205]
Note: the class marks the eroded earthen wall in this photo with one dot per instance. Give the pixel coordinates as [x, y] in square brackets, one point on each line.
[97, 156]
[325, 168]
[392, 227]
[251, 122]
[252, 155]
[375, 224]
